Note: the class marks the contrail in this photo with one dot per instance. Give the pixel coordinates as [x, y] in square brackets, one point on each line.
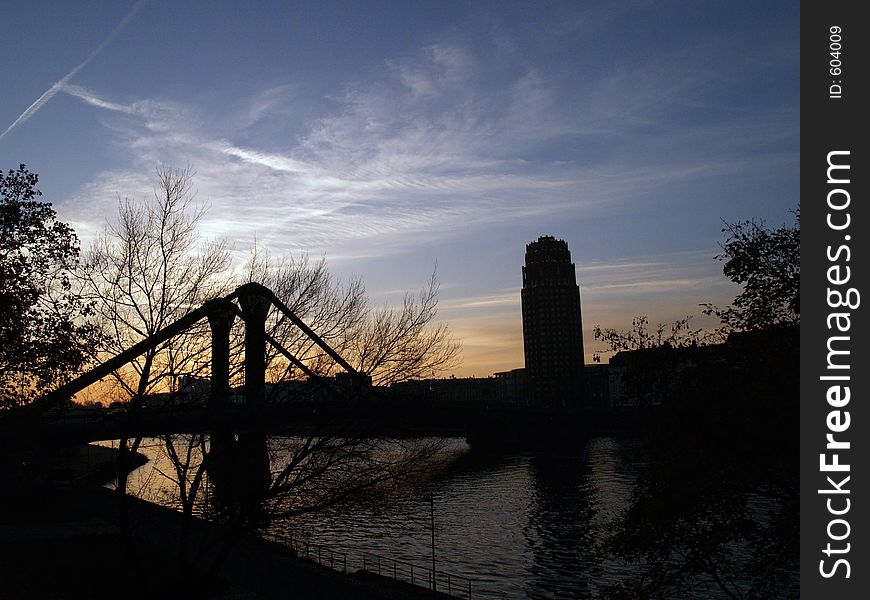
[47, 95]
[89, 98]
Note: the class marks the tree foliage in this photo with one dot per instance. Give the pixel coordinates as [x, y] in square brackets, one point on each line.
[715, 515]
[767, 263]
[650, 367]
[640, 336]
[44, 333]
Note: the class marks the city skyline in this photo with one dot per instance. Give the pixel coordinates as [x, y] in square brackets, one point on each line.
[389, 138]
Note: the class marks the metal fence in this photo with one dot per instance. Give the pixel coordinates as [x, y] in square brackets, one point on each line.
[442, 581]
[322, 555]
[448, 583]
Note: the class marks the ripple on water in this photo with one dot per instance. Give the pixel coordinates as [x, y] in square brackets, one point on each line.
[520, 525]
[523, 525]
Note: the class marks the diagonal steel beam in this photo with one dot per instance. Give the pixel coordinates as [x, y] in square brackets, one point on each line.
[69, 389]
[306, 330]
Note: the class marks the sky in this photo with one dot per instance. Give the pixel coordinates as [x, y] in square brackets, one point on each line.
[393, 138]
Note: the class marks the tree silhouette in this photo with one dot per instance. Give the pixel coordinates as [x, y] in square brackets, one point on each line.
[389, 344]
[149, 269]
[145, 272]
[650, 359]
[715, 515]
[767, 263]
[45, 336]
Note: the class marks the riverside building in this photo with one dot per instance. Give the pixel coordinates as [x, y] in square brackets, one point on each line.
[552, 327]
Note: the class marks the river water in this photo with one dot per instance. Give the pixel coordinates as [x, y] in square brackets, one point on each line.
[518, 525]
[521, 525]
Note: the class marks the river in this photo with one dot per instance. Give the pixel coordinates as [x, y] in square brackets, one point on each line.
[518, 525]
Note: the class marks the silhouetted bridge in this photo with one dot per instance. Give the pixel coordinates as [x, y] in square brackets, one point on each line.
[77, 425]
[250, 302]
[349, 406]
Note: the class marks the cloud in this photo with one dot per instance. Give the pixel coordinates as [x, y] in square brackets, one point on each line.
[272, 161]
[505, 300]
[496, 132]
[90, 98]
[63, 81]
[665, 287]
[621, 280]
[421, 154]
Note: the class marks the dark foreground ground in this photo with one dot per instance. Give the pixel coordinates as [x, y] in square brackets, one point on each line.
[60, 538]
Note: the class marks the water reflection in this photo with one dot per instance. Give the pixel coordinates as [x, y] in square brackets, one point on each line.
[560, 532]
[521, 525]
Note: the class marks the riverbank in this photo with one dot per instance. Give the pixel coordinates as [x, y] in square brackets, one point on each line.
[61, 539]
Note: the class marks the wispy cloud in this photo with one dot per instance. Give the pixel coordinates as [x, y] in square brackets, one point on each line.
[509, 300]
[63, 81]
[272, 161]
[665, 287]
[90, 98]
[418, 155]
[496, 128]
[670, 272]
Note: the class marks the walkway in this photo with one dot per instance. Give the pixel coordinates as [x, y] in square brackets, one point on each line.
[77, 523]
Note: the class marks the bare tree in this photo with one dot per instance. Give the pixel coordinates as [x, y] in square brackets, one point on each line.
[390, 344]
[396, 345]
[149, 270]
[335, 310]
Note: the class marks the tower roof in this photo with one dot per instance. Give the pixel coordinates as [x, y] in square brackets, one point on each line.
[547, 249]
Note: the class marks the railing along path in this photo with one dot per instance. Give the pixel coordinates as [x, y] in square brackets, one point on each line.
[338, 560]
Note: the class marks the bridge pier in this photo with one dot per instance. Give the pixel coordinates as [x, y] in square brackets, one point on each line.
[239, 460]
[220, 321]
[255, 307]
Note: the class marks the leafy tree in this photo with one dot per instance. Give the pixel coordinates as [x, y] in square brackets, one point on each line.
[715, 515]
[45, 336]
[767, 263]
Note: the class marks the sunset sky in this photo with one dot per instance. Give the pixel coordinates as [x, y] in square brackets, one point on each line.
[391, 136]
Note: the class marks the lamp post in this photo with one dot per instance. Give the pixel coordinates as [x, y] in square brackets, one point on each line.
[432, 522]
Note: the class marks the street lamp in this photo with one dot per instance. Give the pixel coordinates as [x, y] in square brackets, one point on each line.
[432, 522]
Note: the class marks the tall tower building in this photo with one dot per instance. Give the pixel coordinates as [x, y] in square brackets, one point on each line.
[552, 327]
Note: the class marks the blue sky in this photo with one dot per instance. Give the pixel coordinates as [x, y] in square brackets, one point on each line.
[388, 136]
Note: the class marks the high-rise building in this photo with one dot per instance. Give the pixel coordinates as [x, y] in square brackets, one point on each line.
[552, 327]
